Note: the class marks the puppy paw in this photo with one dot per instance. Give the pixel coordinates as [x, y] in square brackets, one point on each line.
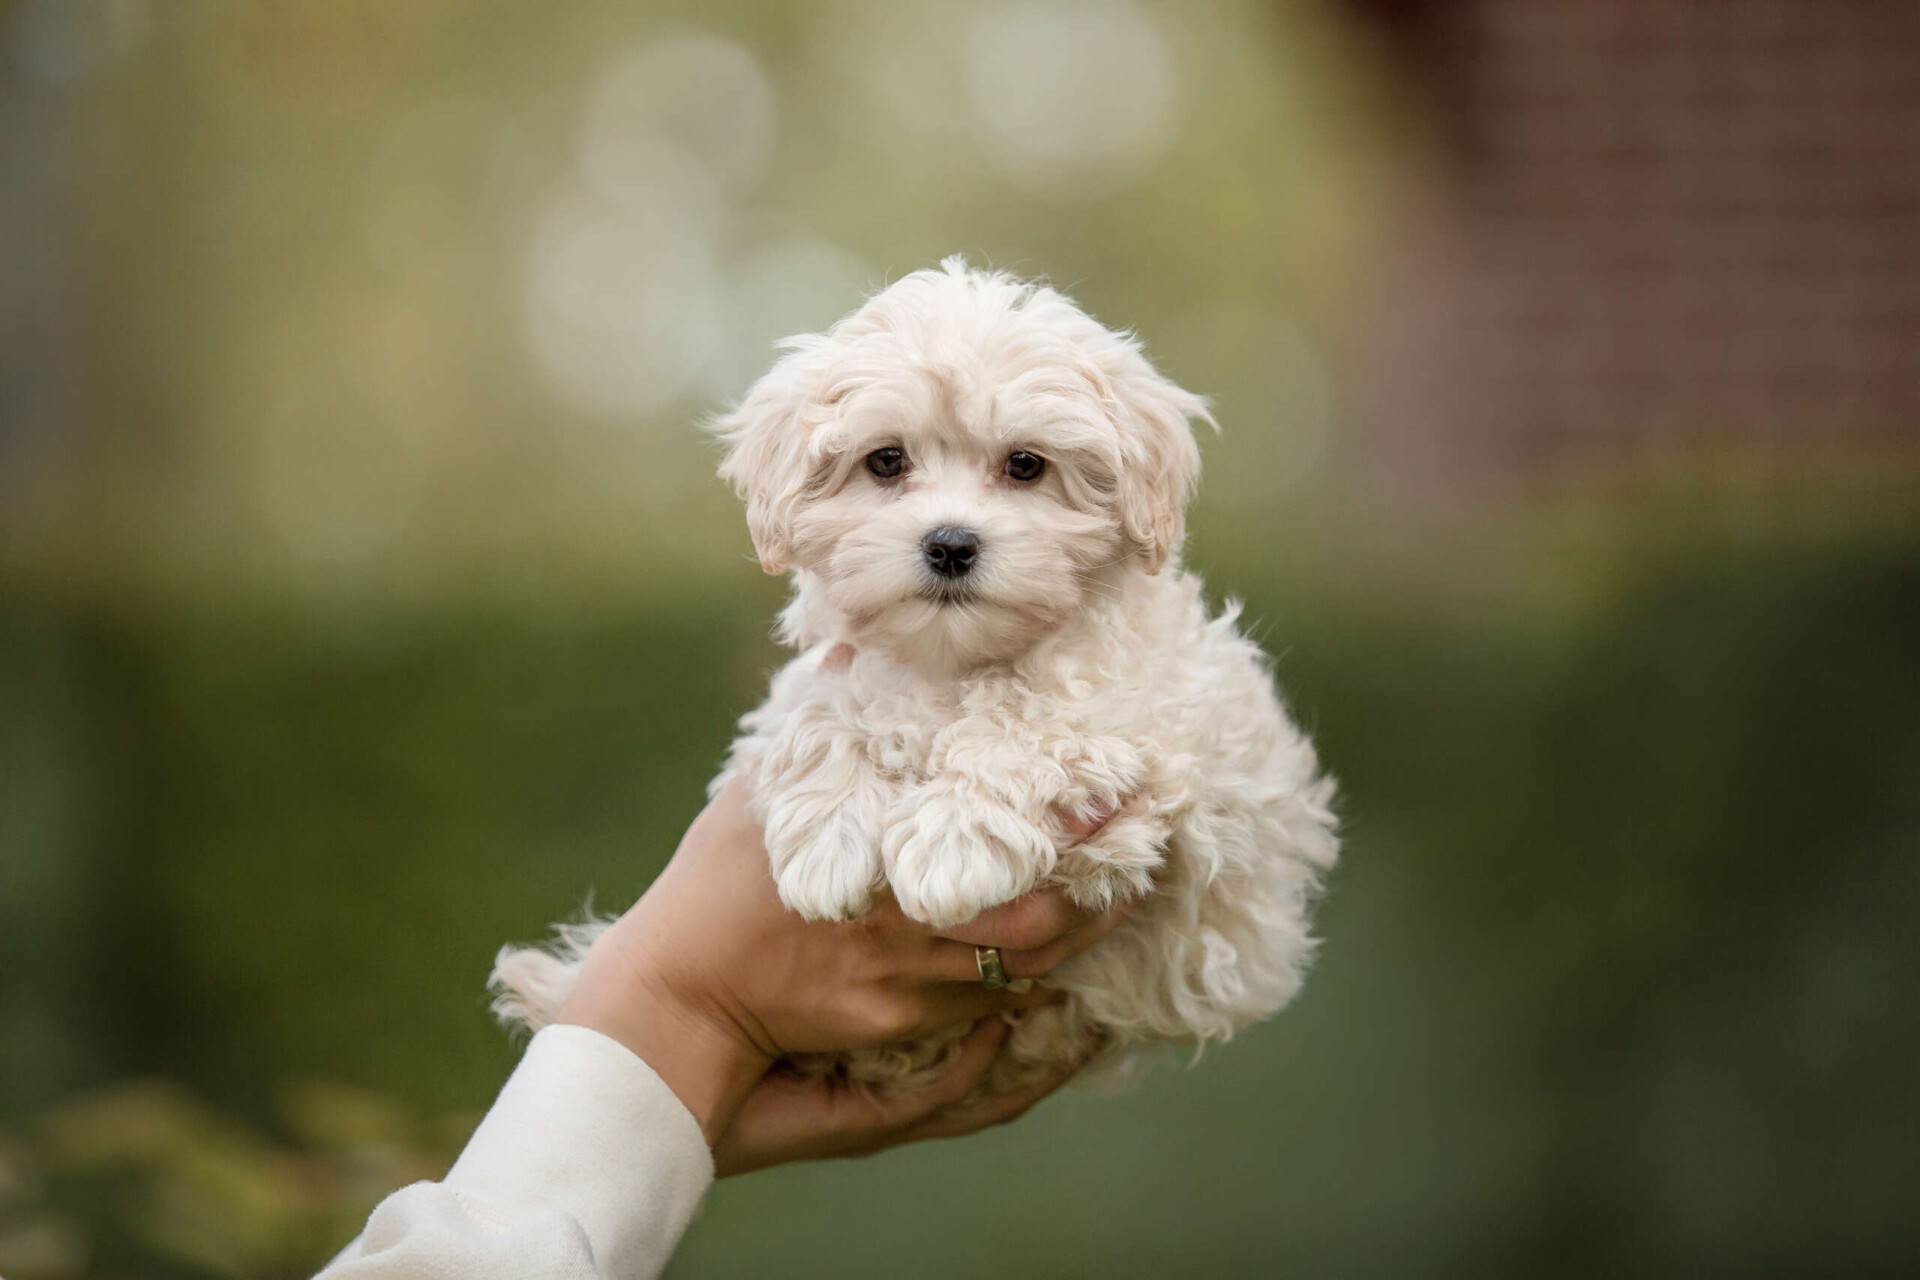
[1118, 861]
[949, 856]
[825, 864]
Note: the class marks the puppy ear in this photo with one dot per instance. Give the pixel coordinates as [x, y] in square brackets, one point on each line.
[768, 460]
[1160, 461]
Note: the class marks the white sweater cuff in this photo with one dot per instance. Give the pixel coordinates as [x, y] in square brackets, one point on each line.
[587, 1128]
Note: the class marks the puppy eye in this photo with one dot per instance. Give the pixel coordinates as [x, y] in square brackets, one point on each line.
[887, 463]
[1022, 465]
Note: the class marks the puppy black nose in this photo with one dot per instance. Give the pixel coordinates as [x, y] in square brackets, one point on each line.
[950, 551]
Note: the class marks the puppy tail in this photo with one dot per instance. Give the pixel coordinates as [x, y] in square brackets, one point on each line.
[529, 984]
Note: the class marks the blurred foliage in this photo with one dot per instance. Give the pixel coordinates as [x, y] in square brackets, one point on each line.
[1620, 970]
[150, 1182]
[390, 299]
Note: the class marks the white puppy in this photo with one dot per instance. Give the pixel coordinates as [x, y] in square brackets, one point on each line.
[979, 492]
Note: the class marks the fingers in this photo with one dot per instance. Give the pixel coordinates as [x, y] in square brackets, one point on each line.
[789, 1117]
[950, 1004]
[998, 1108]
[885, 1116]
[1043, 931]
[1041, 961]
[1025, 924]
[968, 1067]
[949, 961]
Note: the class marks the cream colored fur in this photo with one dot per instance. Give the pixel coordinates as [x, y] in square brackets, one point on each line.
[1080, 677]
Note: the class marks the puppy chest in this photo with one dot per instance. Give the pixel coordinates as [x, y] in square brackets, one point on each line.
[987, 732]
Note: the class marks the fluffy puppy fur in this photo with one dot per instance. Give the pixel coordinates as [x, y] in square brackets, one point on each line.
[944, 738]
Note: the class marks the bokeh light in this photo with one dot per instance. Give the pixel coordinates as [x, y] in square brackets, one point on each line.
[701, 96]
[622, 300]
[1071, 95]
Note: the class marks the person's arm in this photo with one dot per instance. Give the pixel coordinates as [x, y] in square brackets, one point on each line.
[587, 1167]
[599, 1149]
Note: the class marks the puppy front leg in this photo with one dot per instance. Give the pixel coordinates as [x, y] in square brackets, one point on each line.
[959, 845]
[1109, 853]
[999, 807]
[823, 841]
[822, 805]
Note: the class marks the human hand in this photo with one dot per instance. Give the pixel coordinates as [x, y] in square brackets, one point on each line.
[710, 980]
[790, 1117]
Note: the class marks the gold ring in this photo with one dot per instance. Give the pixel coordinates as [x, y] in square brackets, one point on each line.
[993, 974]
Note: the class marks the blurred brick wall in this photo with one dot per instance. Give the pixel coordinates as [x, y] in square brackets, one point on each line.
[1661, 227]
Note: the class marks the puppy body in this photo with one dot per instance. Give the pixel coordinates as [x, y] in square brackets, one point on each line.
[947, 735]
[961, 794]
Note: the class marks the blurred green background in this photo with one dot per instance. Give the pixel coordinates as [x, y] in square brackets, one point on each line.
[366, 600]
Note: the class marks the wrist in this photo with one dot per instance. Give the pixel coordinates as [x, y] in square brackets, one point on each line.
[707, 1063]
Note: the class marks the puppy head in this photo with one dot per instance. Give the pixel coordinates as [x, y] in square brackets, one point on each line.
[957, 464]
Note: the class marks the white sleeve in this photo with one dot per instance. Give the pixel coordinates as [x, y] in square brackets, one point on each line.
[587, 1168]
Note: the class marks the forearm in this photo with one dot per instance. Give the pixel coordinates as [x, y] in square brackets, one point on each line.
[625, 995]
[588, 1167]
